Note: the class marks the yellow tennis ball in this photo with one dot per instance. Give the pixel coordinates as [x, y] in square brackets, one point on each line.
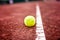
[29, 21]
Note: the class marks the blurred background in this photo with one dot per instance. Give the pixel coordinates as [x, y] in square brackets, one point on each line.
[16, 1]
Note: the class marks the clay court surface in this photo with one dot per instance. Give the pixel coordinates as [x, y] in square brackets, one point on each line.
[50, 12]
[12, 16]
[11, 21]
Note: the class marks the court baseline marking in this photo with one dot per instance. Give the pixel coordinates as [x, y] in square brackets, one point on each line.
[39, 25]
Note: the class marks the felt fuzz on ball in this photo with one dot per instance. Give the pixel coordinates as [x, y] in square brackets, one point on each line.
[29, 21]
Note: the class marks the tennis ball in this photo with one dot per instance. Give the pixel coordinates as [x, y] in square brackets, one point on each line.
[29, 21]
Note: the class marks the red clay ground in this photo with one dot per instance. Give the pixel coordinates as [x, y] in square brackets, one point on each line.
[50, 12]
[11, 21]
[13, 28]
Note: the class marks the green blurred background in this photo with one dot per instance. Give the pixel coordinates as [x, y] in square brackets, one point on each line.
[14, 1]
[17, 1]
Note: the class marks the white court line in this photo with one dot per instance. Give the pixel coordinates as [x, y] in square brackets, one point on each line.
[39, 25]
